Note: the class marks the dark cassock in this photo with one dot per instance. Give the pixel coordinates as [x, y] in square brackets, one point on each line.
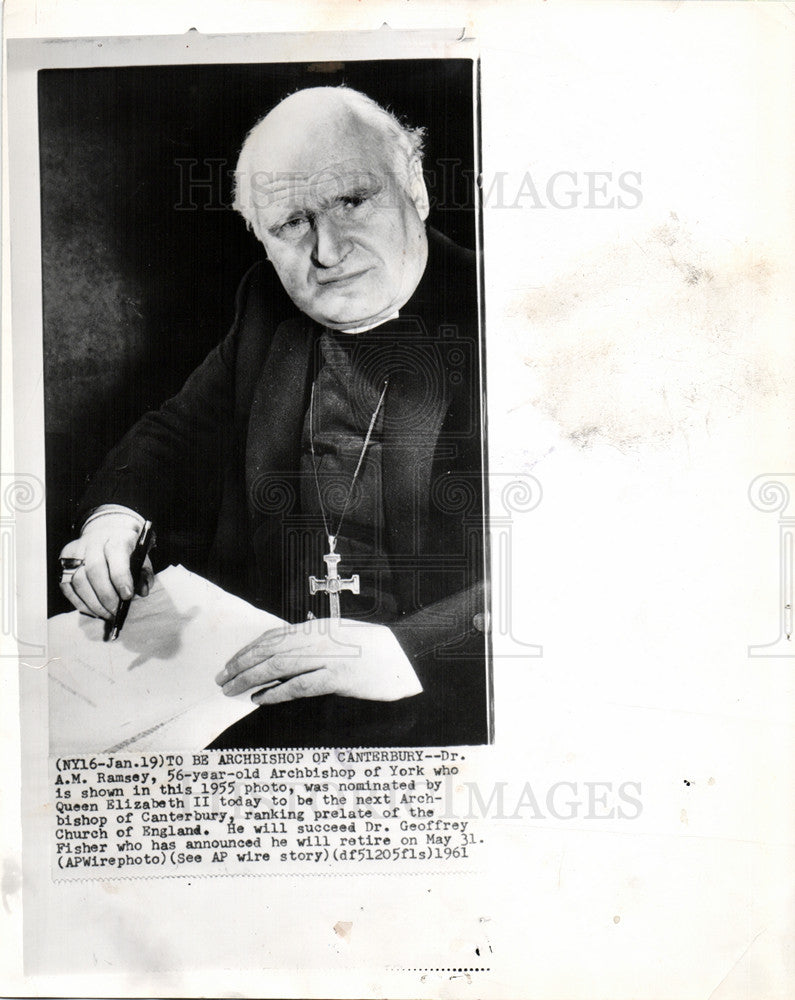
[289, 433]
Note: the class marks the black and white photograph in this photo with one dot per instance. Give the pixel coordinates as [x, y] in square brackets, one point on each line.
[321, 464]
[396, 503]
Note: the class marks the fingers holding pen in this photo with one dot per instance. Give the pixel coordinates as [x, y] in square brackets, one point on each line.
[83, 589]
[97, 568]
[69, 592]
[117, 576]
[99, 580]
[80, 579]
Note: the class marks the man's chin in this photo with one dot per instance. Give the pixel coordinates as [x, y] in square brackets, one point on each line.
[349, 319]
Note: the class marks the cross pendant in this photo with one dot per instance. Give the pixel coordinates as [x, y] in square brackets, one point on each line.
[333, 583]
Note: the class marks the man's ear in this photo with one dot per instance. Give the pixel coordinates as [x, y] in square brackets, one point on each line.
[416, 188]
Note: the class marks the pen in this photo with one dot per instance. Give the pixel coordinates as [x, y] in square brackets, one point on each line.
[139, 553]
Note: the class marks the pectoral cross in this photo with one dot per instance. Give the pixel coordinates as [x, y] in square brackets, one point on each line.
[333, 583]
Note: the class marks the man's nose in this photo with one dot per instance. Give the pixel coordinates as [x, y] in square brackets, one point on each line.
[331, 243]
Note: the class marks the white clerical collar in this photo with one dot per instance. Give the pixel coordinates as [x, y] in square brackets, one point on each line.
[371, 326]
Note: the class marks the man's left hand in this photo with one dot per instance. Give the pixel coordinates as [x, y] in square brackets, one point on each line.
[322, 656]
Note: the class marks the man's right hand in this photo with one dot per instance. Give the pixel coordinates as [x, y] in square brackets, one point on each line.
[105, 546]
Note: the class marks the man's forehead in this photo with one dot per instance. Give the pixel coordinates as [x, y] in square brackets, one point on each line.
[282, 192]
[305, 154]
[304, 142]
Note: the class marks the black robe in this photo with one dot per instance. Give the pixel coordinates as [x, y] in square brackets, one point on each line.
[217, 469]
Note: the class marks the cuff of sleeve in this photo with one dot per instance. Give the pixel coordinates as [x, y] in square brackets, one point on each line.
[111, 508]
[444, 622]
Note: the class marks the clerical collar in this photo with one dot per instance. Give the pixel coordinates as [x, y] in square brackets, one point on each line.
[371, 326]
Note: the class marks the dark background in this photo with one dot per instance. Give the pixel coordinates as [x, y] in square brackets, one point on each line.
[140, 268]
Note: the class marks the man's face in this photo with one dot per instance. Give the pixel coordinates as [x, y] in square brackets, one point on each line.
[340, 223]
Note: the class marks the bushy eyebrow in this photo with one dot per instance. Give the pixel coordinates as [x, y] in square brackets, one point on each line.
[359, 188]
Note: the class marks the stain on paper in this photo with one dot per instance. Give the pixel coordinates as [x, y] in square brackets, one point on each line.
[652, 339]
[11, 881]
[343, 929]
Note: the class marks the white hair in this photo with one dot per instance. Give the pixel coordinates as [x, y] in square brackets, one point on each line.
[407, 143]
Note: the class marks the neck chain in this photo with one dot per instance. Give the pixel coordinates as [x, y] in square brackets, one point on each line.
[332, 583]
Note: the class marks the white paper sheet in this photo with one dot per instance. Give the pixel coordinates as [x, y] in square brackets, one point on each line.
[643, 576]
[153, 688]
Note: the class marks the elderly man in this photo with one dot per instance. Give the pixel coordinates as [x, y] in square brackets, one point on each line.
[337, 424]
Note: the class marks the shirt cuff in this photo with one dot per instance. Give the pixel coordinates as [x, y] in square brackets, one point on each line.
[111, 508]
